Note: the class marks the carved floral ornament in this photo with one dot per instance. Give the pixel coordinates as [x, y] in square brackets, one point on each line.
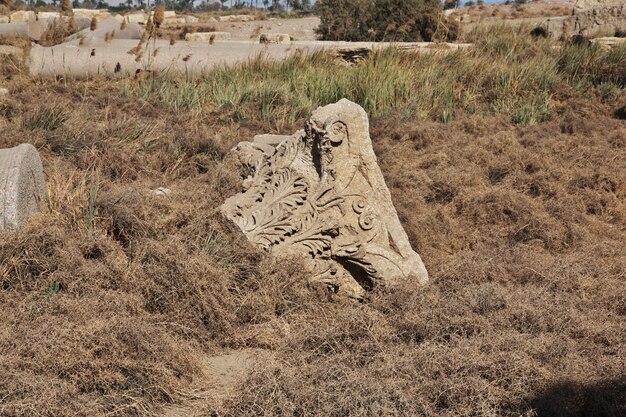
[321, 194]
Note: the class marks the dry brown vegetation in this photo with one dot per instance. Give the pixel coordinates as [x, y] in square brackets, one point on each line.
[112, 298]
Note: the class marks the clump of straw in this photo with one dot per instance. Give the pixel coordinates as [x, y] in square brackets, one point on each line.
[159, 15]
[71, 25]
[66, 7]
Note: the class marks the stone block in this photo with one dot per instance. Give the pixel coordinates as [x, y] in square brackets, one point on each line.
[609, 42]
[10, 50]
[48, 15]
[321, 196]
[237, 18]
[90, 13]
[22, 185]
[138, 17]
[177, 20]
[207, 36]
[22, 16]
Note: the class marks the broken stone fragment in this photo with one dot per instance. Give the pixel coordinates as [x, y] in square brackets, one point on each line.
[321, 195]
[22, 185]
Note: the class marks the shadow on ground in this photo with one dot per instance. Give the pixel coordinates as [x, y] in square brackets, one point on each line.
[569, 399]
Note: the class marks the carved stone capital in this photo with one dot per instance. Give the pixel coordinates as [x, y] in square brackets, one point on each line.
[321, 194]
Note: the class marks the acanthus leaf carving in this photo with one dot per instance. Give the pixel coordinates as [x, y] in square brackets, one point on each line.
[320, 193]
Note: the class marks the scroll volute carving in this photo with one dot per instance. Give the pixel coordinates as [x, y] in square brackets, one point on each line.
[321, 194]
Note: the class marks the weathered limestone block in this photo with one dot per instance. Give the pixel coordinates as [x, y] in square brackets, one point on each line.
[598, 17]
[91, 13]
[48, 15]
[22, 16]
[32, 28]
[177, 20]
[137, 17]
[111, 27]
[11, 50]
[320, 194]
[275, 38]
[207, 36]
[4, 19]
[609, 42]
[191, 19]
[237, 18]
[22, 186]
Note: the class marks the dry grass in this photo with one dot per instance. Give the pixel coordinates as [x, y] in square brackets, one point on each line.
[112, 298]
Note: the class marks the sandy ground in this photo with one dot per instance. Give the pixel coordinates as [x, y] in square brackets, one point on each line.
[300, 29]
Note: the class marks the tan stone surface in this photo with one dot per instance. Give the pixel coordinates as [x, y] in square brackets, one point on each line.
[48, 15]
[207, 36]
[90, 13]
[609, 42]
[22, 16]
[321, 195]
[137, 17]
[237, 18]
[275, 38]
[599, 17]
[110, 26]
[22, 185]
[10, 50]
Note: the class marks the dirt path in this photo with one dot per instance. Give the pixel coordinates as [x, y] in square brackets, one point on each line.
[221, 375]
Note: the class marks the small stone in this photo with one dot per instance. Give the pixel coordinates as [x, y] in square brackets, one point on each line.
[4, 91]
[162, 192]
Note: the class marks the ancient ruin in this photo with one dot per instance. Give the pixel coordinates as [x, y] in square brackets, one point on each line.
[22, 185]
[321, 194]
[599, 17]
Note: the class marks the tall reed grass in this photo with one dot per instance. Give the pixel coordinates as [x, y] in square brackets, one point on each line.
[506, 72]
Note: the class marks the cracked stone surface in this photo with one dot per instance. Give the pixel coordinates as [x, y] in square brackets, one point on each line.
[22, 185]
[320, 194]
